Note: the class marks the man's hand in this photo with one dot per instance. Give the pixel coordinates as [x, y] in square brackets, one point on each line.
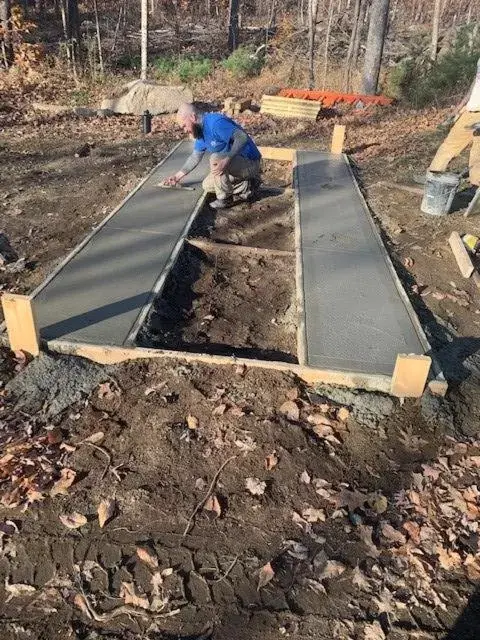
[171, 181]
[219, 167]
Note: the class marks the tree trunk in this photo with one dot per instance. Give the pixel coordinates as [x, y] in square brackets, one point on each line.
[233, 24]
[99, 38]
[39, 6]
[73, 21]
[377, 31]
[144, 39]
[353, 36]
[312, 28]
[435, 26]
[327, 43]
[6, 40]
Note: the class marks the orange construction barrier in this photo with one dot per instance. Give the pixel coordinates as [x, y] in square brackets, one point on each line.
[331, 98]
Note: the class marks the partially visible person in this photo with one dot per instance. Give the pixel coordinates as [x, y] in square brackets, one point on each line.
[462, 134]
[234, 157]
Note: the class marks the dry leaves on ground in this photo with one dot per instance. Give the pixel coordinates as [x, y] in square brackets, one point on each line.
[61, 486]
[192, 422]
[265, 575]
[106, 510]
[127, 592]
[271, 461]
[147, 557]
[73, 520]
[212, 505]
[18, 590]
[255, 486]
[290, 410]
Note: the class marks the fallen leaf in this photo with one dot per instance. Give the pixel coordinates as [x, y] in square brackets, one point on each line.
[409, 262]
[290, 410]
[220, 410]
[265, 575]
[392, 534]
[320, 419]
[365, 534]
[373, 632]
[343, 414]
[192, 422]
[305, 477]
[158, 603]
[105, 511]
[18, 590]
[359, 579]
[448, 559]
[127, 592]
[247, 445]
[147, 557]
[430, 472]
[271, 461]
[156, 581]
[315, 585]
[351, 499]
[67, 478]
[322, 431]
[73, 520]
[255, 486]
[236, 411]
[213, 506]
[296, 550]
[413, 530]
[80, 602]
[95, 438]
[332, 569]
[167, 572]
[310, 514]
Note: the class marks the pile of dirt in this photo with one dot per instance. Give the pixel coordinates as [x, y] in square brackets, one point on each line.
[139, 96]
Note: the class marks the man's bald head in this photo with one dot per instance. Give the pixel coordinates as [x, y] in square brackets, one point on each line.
[187, 117]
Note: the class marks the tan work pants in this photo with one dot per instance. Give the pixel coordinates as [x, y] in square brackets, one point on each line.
[456, 141]
[235, 180]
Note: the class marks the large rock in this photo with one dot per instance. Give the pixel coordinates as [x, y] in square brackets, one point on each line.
[139, 96]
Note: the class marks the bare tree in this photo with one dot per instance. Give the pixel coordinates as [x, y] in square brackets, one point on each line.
[144, 39]
[5, 33]
[312, 30]
[352, 52]
[435, 27]
[99, 39]
[233, 10]
[327, 43]
[377, 31]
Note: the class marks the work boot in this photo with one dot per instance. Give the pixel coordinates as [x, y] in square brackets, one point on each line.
[221, 203]
[254, 185]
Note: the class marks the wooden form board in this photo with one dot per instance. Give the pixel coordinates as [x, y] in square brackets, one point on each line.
[338, 139]
[290, 107]
[396, 385]
[410, 376]
[461, 255]
[20, 323]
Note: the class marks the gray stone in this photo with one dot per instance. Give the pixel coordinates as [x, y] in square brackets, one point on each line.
[54, 383]
[105, 113]
[51, 109]
[139, 96]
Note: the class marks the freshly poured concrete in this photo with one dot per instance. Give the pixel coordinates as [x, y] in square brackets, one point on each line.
[98, 295]
[355, 318]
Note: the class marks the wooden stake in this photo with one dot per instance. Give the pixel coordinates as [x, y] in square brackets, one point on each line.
[461, 255]
[20, 322]
[277, 153]
[338, 139]
[410, 376]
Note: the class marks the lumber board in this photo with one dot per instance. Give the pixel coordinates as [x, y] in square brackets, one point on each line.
[281, 154]
[225, 247]
[21, 324]
[289, 107]
[461, 254]
[115, 355]
[410, 375]
[300, 292]
[338, 139]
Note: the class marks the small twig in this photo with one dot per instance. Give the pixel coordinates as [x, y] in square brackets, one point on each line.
[225, 575]
[208, 494]
[105, 453]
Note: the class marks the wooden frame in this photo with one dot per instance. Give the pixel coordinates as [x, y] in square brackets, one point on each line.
[338, 139]
[410, 373]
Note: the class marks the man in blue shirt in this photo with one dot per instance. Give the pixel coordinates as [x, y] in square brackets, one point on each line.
[234, 160]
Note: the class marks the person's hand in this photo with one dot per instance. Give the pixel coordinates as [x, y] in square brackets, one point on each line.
[219, 166]
[171, 181]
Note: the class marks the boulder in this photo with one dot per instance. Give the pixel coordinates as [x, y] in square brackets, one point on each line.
[139, 96]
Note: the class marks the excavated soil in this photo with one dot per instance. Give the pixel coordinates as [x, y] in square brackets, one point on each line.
[227, 304]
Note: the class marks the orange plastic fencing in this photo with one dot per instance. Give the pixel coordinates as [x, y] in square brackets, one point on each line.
[331, 98]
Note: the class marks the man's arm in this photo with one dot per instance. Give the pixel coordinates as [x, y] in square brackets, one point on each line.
[239, 139]
[190, 164]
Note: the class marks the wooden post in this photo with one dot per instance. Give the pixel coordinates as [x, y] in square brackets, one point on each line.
[461, 255]
[20, 321]
[338, 139]
[410, 376]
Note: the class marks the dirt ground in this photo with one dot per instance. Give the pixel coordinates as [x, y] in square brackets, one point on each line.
[259, 508]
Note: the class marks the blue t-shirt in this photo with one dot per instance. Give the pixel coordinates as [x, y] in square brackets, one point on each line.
[218, 130]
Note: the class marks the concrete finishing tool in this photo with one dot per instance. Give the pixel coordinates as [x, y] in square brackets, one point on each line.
[175, 186]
